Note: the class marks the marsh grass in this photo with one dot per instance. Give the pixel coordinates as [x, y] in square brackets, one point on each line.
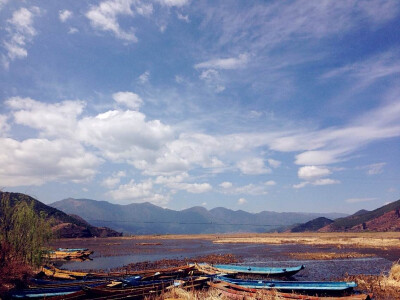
[384, 287]
[327, 255]
[210, 294]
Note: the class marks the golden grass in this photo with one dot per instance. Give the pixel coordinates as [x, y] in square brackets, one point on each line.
[382, 286]
[210, 294]
[354, 240]
[327, 255]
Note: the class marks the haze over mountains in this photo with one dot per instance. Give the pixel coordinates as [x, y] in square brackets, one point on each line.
[146, 218]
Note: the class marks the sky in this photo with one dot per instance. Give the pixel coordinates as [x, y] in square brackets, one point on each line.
[252, 105]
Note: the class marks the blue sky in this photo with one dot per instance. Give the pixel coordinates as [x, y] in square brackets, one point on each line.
[253, 105]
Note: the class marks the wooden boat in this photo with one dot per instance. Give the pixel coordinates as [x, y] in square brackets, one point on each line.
[210, 270]
[265, 271]
[134, 293]
[45, 284]
[233, 291]
[54, 272]
[294, 286]
[66, 253]
[49, 292]
[174, 272]
[141, 289]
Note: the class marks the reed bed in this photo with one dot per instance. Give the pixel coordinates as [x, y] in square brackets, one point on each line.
[332, 241]
[384, 287]
[327, 255]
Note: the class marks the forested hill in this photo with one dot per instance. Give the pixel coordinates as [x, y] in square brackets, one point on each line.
[63, 225]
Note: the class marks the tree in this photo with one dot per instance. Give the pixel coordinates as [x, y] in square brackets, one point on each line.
[24, 232]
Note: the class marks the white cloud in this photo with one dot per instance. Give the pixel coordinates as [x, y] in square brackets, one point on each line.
[105, 16]
[72, 30]
[2, 3]
[242, 201]
[194, 188]
[53, 120]
[4, 126]
[270, 183]
[250, 189]
[325, 181]
[300, 185]
[113, 180]
[253, 166]
[308, 20]
[177, 3]
[274, 163]
[125, 136]
[226, 184]
[209, 75]
[224, 63]
[128, 99]
[183, 17]
[335, 144]
[132, 190]
[176, 183]
[311, 172]
[20, 32]
[37, 161]
[64, 15]
[374, 169]
[144, 78]
[358, 200]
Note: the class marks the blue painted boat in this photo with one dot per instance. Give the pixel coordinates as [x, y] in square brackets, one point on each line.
[49, 292]
[293, 286]
[72, 249]
[287, 272]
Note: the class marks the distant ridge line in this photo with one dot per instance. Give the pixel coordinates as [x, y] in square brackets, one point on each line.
[183, 223]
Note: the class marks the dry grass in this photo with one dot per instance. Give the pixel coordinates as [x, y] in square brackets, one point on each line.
[210, 294]
[383, 286]
[340, 240]
[326, 255]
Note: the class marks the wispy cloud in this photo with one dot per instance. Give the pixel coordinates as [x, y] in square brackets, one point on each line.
[358, 200]
[20, 33]
[64, 15]
[104, 16]
[224, 63]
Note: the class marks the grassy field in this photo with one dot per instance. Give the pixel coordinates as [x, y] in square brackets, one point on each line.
[338, 239]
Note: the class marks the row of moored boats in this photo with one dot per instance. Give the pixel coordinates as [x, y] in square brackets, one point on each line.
[227, 279]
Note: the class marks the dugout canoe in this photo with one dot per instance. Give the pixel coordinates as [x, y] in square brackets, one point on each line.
[325, 287]
[265, 271]
[238, 292]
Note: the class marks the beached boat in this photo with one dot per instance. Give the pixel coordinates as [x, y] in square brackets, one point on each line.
[233, 291]
[294, 286]
[54, 272]
[49, 292]
[67, 253]
[173, 272]
[265, 271]
[210, 270]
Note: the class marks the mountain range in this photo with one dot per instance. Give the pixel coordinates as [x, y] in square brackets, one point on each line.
[385, 218]
[63, 225]
[146, 218]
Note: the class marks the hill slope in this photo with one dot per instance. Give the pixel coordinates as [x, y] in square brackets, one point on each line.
[65, 226]
[385, 218]
[146, 218]
[312, 225]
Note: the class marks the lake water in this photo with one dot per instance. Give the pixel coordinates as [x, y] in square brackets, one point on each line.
[116, 253]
